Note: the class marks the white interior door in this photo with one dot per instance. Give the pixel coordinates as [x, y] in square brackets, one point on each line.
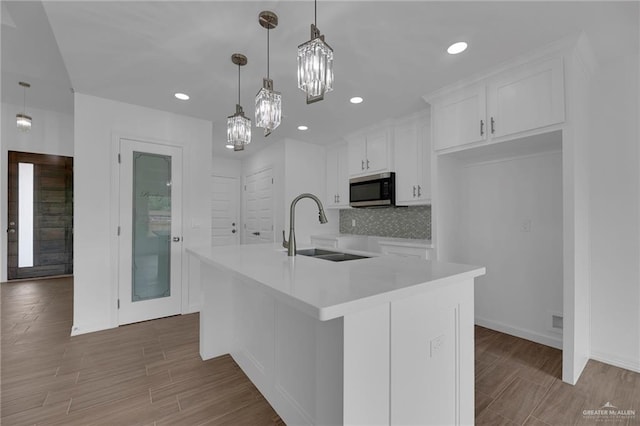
[258, 208]
[225, 194]
[150, 242]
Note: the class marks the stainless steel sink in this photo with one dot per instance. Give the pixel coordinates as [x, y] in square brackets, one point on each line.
[333, 256]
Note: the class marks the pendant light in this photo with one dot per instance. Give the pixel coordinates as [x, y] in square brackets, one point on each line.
[23, 121]
[315, 64]
[268, 102]
[238, 126]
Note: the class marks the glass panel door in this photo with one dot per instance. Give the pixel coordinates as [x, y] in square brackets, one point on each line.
[151, 226]
[150, 238]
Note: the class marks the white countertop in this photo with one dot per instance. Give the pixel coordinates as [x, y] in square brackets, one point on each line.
[326, 290]
[403, 242]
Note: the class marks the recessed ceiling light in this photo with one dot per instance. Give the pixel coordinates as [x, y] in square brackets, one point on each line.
[356, 100]
[182, 96]
[456, 48]
[228, 146]
[303, 127]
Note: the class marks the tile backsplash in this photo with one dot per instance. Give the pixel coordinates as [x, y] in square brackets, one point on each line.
[398, 222]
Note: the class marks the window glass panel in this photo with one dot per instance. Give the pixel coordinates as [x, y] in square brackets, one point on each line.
[151, 226]
[25, 215]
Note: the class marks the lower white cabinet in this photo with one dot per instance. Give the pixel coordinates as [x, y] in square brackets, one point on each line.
[406, 250]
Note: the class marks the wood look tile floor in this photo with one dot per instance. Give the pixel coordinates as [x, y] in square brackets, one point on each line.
[150, 373]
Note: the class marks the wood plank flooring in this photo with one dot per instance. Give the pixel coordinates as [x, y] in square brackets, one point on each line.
[151, 374]
[148, 373]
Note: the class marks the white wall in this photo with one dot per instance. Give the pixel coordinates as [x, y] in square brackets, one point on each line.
[306, 171]
[297, 167]
[615, 214]
[98, 123]
[51, 133]
[523, 285]
[485, 202]
[223, 166]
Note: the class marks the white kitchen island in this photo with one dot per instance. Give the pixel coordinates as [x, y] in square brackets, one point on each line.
[381, 340]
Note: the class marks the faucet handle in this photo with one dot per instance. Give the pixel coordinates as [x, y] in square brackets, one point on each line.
[285, 243]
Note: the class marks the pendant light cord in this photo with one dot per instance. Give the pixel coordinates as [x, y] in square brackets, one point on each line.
[238, 84]
[268, 52]
[24, 100]
[315, 13]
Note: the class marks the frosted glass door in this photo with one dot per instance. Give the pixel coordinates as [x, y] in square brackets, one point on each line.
[151, 226]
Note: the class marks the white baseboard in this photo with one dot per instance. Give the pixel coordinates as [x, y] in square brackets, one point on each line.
[626, 363]
[543, 339]
[78, 329]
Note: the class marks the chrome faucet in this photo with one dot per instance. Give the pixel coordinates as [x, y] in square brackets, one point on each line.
[291, 244]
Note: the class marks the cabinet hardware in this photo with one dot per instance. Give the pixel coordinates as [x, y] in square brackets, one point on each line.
[493, 126]
[338, 197]
[256, 233]
[233, 231]
[367, 164]
[481, 128]
[233, 224]
[419, 191]
[414, 191]
[11, 231]
[362, 166]
[176, 239]
[335, 198]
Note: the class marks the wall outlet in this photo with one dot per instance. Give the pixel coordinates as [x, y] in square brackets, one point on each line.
[353, 223]
[525, 226]
[436, 345]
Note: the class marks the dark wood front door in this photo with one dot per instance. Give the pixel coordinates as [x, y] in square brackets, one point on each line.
[42, 246]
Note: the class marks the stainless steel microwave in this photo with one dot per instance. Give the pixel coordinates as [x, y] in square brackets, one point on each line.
[373, 191]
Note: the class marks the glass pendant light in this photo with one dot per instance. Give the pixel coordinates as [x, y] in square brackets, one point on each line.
[23, 121]
[238, 126]
[268, 102]
[315, 65]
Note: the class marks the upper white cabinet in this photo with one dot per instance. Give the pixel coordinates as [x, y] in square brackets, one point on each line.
[524, 98]
[369, 152]
[337, 178]
[460, 118]
[412, 153]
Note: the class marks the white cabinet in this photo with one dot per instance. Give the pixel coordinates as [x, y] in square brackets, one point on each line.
[369, 153]
[412, 154]
[524, 98]
[406, 250]
[460, 118]
[337, 179]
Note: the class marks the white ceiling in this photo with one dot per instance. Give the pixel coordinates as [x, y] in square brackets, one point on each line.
[389, 52]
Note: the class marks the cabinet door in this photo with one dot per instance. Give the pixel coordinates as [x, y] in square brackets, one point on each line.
[377, 159]
[424, 163]
[407, 153]
[527, 98]
[357, 156]
[332, 177]
[460, 118]
[342, 177]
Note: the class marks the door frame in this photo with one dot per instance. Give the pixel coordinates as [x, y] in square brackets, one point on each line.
[114, 219]
[243, 202]
[238, 189]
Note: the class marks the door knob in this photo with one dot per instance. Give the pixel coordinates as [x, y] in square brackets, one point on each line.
[176, 239]
[255, 233]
